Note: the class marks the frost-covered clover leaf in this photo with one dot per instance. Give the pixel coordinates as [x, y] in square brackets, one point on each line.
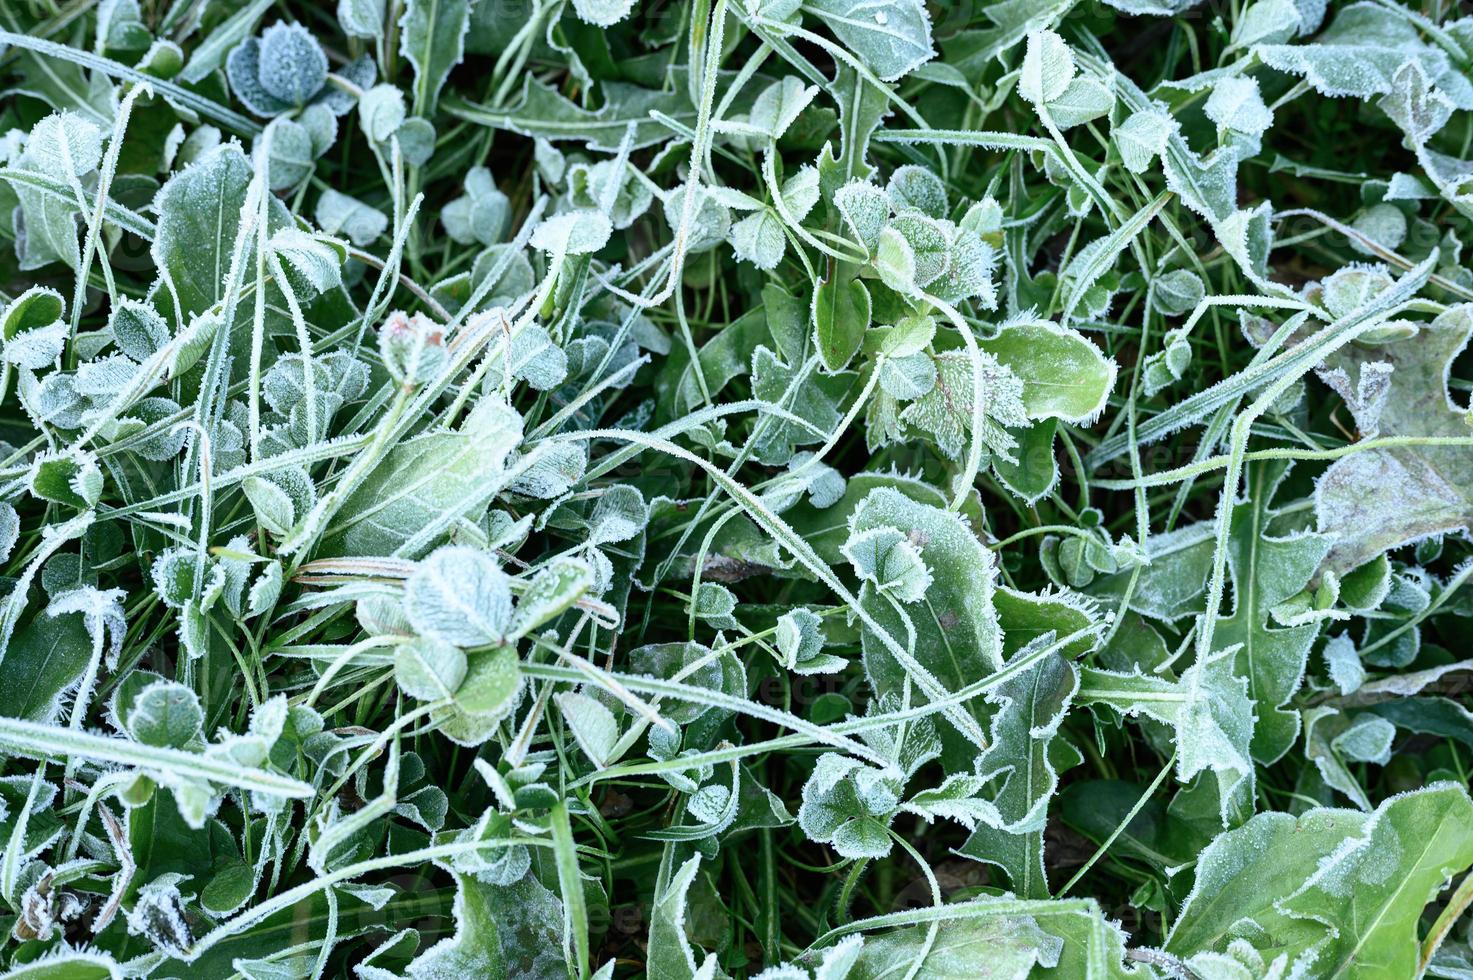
[849, 805]
[384, 115]
[1050, 80]
[480, 214]
[573, 233]
[412, 347]
[602, 13]
[459, 595]
[285, 69]
[887, 558]
[800, 641]
[913, 248]
[65, 143]
[32, 330]
[341, 214]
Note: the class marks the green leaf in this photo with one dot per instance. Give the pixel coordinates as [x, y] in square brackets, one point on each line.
[65, 143]
[432, 39]
[892, 38]
[815, 398]
[381, 111]
[361, 18]
[1341, 890]
[292, 66]
[1335, 741]
[1150, 834]
[573, 233]
[419, 483]
[594, 726]
[500, 930]
[164, 714]
[67, 965]
[1002, 946]
[800, 641]
[670, 955]
[1142, 137]
[206, 57]
[914, 188]
[862, 107]
[1064, 375]
[956, 631]
[999, 936]
[1356, 55]
[1026, 752]
[1236, 104]
[1172, 584]
[895, 262]
[161, 842]
[1083, 100]
[552, 591]
[779, 104]
[32, 328]
[827, 528]
[199, 219]
[841, 315]
[480, 214]
[865, 209]
[887, 559]
[759, 239]
[138, 329]
[492, 684]
[724, 357]
[930, 250]
[71, 480]
[459, 595]
[1268, 569]
[1208, 710]
[945, 412]
[46, 658]
[1036, 472]
[429, 669]
[1048, 68]
[1377, 500]
[603, 13]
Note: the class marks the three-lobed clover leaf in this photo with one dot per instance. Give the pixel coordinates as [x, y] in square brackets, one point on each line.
[284, 69]
[849, 805]
[278, 71]
[886, 557]
[461, 596]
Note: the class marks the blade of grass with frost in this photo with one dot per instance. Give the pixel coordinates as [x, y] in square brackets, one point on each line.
[1383, 253]
[232, 120]
[53, 187]
[94, 220]
[1331, 338]
[1100, 262]
[51, 741]
[1305, 354]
